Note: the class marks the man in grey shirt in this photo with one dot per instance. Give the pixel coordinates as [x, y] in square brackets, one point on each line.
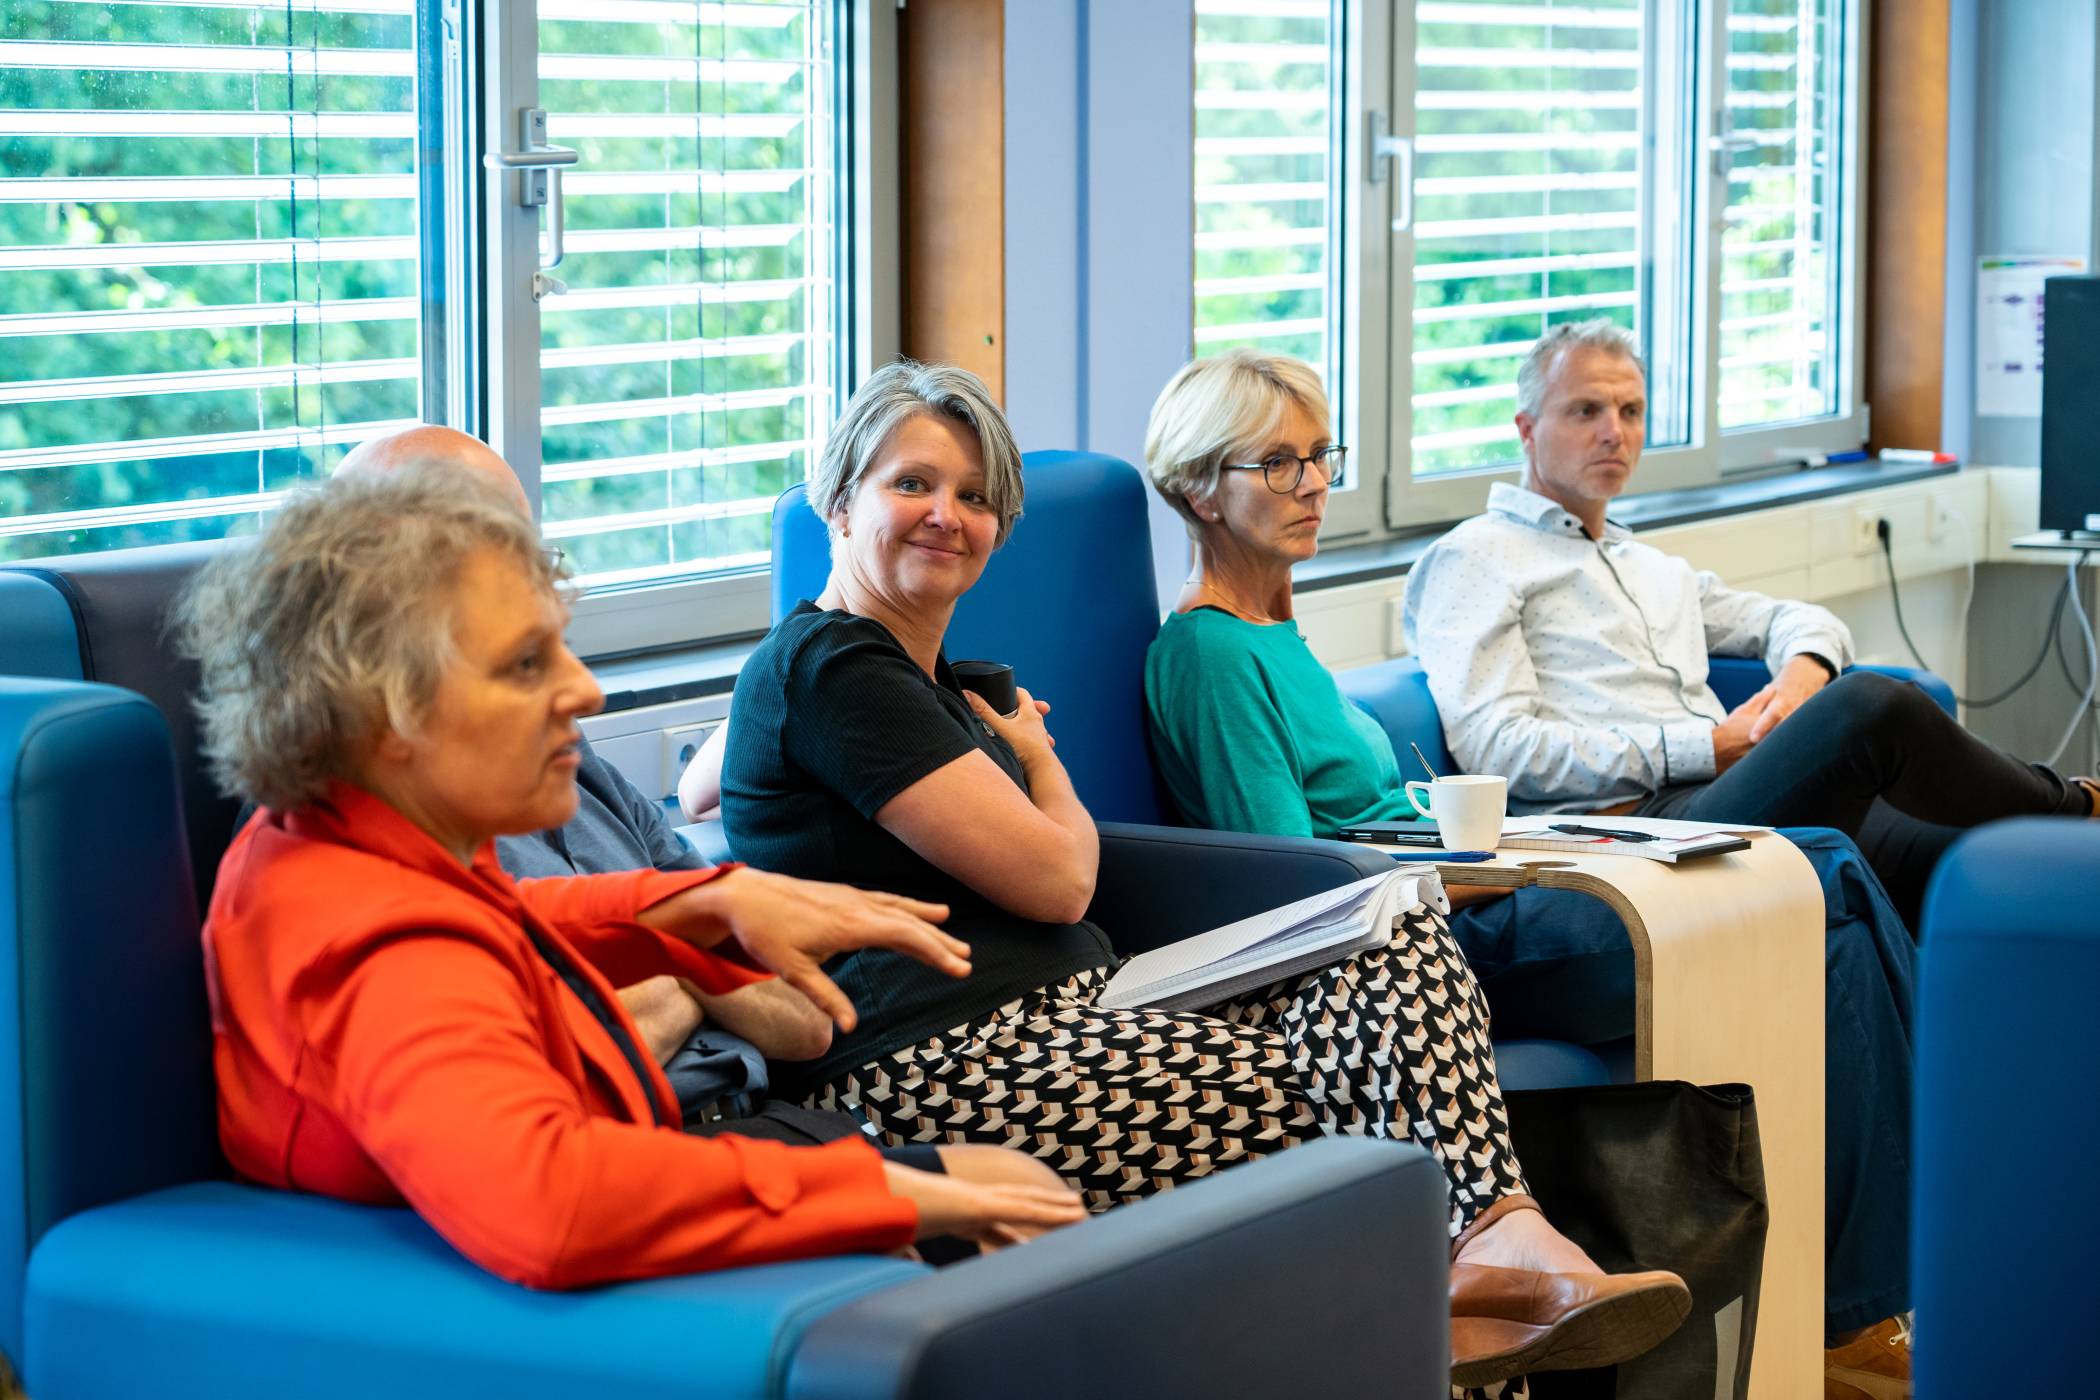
[1571, 658]
[713, 1048]
[715, 1070]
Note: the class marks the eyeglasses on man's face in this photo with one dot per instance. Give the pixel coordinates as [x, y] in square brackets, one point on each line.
[1282, 472]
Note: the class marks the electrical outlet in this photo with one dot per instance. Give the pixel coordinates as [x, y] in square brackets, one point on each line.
[1939, 520]
[1866, 537]
[680, 743]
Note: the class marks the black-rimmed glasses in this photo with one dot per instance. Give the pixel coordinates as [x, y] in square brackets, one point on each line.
[1282, 472]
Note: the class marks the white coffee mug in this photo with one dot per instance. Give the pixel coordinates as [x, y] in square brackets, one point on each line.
[1466, 808]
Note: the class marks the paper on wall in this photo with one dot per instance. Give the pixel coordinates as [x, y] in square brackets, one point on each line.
[2009, 331]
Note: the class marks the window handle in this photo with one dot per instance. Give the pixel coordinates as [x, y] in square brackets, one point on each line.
[1380, 146]
[539, 167]
[1725, 148]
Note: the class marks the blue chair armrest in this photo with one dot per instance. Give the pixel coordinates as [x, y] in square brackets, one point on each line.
[1162, 883]
[1321, 1271]
[225, 1290]
[1396, 694]
[2009, 955]
[1337, 1246]
[710, 839]
[1736, 678]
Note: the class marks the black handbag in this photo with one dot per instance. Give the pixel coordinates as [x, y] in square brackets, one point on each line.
[1661, 1175]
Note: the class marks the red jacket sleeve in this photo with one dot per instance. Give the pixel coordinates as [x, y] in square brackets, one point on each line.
[596, 914]
[438, 1070]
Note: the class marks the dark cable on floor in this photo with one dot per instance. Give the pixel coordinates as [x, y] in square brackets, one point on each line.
[2051, 639]
[2063, 656]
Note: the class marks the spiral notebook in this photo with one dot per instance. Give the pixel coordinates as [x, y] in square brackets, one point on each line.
[1274, 945]
[1669, 841]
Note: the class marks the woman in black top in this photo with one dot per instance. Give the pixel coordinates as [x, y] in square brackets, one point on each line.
[855, 757]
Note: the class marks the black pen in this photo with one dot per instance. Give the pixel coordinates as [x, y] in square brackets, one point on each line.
[1574, 829]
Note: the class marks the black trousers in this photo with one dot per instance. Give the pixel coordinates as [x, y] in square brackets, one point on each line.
[1877, 759]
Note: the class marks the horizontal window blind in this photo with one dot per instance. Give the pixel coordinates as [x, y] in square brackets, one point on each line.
[1779, 278]
[1527, 203]
[1264, 214]
[686, 375]
[208, 281]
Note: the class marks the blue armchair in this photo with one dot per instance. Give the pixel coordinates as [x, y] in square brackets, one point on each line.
[1070, 603]
[130, 1264]
[2001, 1225]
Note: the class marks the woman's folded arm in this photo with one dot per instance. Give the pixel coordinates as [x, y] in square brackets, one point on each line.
[438, 1070]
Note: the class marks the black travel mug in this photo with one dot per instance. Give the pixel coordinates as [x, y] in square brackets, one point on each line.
[994, 680]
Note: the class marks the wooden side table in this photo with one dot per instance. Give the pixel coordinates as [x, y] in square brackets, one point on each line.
[1728, 988]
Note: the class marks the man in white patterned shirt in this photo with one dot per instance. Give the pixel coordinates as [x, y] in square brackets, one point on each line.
[1571, 658]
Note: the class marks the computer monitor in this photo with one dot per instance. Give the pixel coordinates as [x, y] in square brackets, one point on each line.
[2071, 405]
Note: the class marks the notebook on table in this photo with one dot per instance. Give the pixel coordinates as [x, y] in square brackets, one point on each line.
[1274, 945]
[1671, 841]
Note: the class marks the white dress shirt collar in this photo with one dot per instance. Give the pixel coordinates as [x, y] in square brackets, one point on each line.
[1543, 512]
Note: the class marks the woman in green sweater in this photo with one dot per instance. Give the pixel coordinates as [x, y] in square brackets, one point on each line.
[1251, 732]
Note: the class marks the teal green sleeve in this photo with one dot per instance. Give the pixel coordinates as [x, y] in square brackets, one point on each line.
[1221, 736]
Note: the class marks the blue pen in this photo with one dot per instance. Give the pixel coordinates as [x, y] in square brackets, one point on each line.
[1448, 857]
[1820, 459]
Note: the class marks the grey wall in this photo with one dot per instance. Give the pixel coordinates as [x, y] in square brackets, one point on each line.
[2022, 120]
[1100, 208]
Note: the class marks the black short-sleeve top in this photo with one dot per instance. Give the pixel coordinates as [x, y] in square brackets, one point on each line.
[831, 720]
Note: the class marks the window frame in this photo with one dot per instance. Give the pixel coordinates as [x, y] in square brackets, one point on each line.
[621, 620]
[1379, 319]
[1751, 448]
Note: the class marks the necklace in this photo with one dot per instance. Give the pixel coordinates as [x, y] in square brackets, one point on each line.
[1235, 606]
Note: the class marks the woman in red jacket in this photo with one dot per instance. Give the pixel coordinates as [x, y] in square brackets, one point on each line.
[396, 1020]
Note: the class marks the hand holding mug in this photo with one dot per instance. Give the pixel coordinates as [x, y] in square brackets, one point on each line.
[1023, 729]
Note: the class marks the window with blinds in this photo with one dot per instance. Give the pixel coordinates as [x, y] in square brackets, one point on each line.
[1528, 203]
[208, 270]
[1779, 275]
[687, 373]
[1264, 228]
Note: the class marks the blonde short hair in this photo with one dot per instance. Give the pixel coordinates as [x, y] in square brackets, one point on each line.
[892, 396]
[1224, 408]
[1598, 333]
[337, 621]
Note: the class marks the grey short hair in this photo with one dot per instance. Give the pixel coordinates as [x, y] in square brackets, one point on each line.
[1596, 334]
[336, 622]
[891, 397]
[1221, 409]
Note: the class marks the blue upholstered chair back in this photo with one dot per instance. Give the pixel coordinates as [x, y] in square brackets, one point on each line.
[1396, 693]
[1069, 603]
[1736, 678]
[105, 1040]
[37, 636]
[2008, 961]
[103, 617]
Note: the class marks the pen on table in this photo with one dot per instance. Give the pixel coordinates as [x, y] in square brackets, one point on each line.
[1576, 829]
[1421, 760]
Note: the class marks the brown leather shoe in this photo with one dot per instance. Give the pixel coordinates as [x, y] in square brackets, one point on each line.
[1496, 1209]
[1507, 1322]
[1873, 1366]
